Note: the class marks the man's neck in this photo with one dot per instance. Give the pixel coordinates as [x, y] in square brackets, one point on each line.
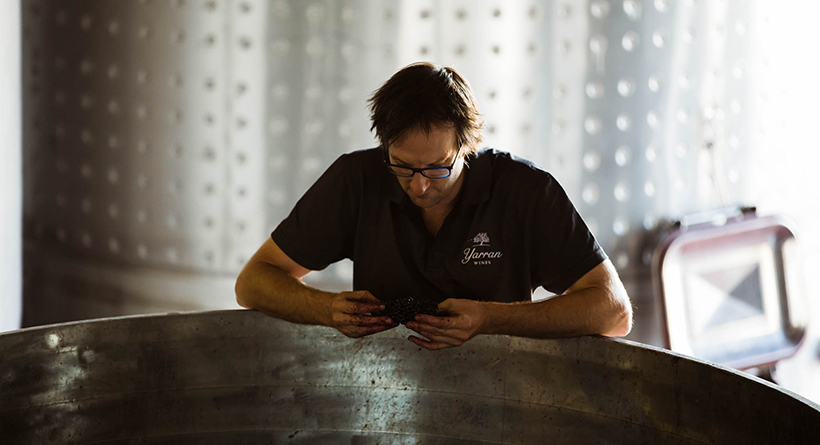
[434, 217]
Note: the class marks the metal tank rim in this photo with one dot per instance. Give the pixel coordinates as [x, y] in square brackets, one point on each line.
[184, 374]
[648, 348]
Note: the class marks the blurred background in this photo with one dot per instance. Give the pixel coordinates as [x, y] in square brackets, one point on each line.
[150, 146]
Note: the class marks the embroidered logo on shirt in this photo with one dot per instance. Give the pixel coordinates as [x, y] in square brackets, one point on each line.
[478, 254]
[481, 239]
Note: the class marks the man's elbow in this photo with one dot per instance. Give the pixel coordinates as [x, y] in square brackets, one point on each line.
[620, 319]
[622, 326]
[241, 290]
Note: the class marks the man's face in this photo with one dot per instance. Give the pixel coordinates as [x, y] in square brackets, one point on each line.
[436, 149]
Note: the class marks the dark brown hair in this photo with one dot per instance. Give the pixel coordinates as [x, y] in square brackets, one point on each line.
[423, 95]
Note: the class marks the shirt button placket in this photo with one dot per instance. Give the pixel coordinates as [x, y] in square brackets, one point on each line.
[435, 258]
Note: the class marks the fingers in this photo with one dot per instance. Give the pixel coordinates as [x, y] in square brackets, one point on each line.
[362, 308]
[434, 321]
[442, 339]
[362, 331]
[430, 345]
[440, 331]
[363, 320]
[361, 302]
[350, 315]
[448, 317]
[346, 322]
[438, 338]
[425, 329]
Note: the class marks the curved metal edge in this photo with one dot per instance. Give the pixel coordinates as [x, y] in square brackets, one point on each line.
[121, 317]
[592, 338]
[724, 368]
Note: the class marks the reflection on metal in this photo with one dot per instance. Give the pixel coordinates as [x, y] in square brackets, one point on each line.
[728, 290]
[134, 137]
[242, 377]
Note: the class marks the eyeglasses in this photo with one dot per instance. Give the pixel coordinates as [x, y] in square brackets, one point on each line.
[428, 172]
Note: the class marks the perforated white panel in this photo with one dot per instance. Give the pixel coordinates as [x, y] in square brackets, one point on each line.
[325, 59]
[503, 49]
[661, 122]
[175, 135]
[11, 181]
[128, 129]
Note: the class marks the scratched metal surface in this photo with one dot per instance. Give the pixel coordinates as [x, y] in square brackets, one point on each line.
[242, 377]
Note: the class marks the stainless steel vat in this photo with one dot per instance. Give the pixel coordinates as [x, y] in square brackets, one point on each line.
[165, 140]
[241, 377]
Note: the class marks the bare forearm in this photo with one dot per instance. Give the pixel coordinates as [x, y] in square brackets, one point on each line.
[268, 289]
[585, 312]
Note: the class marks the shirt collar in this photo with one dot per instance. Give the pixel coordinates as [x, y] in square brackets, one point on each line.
[476, 186]
[478, 179]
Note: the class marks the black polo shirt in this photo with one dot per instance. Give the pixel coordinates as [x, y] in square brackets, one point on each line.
[512, 229]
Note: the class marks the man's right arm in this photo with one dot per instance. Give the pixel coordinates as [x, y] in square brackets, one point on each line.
[271, 283]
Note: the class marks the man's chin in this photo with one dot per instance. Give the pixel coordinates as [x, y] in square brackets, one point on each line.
[426, 202]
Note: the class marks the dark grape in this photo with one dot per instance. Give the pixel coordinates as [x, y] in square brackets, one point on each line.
[405, 309]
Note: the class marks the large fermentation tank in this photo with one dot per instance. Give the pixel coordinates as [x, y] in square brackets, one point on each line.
[164, 140]
[242, 377]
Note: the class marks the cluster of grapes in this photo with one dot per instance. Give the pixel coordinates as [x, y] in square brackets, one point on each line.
[405, 309]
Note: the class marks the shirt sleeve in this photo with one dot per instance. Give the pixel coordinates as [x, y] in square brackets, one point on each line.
[564, 248]
[321, 228]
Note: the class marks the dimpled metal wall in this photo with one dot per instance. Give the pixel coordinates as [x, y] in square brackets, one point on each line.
[662, 129]
[164, 140]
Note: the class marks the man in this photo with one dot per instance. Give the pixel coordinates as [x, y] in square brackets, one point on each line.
[427, 215]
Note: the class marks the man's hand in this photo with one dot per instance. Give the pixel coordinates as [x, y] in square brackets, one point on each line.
[459, 322]
[350, 314]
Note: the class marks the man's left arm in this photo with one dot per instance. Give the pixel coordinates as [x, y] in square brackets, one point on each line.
[596, 304]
